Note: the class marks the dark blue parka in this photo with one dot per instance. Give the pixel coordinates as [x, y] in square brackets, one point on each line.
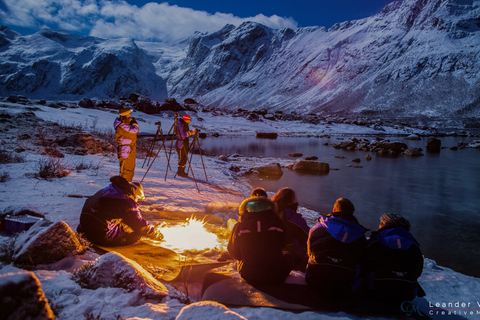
[335, 247]
[112, 217]
[392, 264]
[256, 242]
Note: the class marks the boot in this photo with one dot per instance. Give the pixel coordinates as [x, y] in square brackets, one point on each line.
[181, 172]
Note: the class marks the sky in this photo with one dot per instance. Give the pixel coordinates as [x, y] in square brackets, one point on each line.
[144, 20]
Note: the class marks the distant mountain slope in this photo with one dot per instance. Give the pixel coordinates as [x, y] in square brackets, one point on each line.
[416, 57]
[54, 64]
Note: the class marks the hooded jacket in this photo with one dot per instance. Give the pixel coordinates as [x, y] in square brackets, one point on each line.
[112, 213]
[335, 246]
[256, 242]
[392, 264]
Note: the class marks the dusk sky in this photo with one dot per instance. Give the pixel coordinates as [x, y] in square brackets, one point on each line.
[174, 20]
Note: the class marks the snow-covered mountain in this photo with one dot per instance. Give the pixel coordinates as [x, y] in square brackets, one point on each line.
[416, 57]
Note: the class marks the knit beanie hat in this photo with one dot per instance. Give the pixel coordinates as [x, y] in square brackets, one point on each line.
[392, 220]
[124, 111]
[186, 118]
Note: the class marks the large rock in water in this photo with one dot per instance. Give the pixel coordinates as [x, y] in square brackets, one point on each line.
[310, 165]
[22, 297]
[270, 170]
[116, 271]
[433, 145]
[45, 243]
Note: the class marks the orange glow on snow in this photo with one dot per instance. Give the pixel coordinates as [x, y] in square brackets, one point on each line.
[190, 235]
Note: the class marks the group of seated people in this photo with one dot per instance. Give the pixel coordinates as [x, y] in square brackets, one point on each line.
[339, 262]
[271, 239]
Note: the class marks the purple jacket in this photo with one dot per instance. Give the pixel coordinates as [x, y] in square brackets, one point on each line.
[126, 136]
[183, 132]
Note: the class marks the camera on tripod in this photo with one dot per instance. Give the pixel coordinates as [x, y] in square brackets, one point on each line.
[158, 123]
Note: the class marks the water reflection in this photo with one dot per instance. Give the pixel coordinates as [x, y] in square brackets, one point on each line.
[438, 193]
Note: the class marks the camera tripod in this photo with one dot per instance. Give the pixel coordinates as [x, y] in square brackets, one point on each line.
[174, 128]
[152, 146]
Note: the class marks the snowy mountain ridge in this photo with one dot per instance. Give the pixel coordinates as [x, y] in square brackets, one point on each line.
[415, 58]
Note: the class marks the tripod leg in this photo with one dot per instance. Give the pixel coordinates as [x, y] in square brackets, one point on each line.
[201, 157]
[155, 156]
[150, 150]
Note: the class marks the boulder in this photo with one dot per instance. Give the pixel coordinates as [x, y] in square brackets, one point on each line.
[86, 103]
[117, 271]
[310, 165]
[295, 155]
[45, 243]
[413, 152]
[270, 170]
[23, 297]
[413, 137]
[433, 144]
[267, 135]
[269, 116]
[208, 310]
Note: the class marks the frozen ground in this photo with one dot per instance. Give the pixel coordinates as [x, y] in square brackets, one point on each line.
[178, 195]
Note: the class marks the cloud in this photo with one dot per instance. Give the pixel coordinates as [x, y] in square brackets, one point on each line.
[117, 18]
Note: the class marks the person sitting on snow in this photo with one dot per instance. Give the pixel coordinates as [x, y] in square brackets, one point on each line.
[256, 242]
[112, 216]
[335, 246]
[392, 263]
[287, 204]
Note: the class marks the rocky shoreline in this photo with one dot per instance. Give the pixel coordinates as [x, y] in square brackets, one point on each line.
[422, 125]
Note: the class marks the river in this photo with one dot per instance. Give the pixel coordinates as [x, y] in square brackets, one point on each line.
[438, 193]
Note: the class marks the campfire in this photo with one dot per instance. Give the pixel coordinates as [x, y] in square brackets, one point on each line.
[190, 235]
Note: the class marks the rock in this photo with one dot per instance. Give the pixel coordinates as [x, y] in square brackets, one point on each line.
[223, 157]
[295, 155]
[86, 103]
[45, 243]
[23, 297]
[433, 144]
[413, 152]
[117, 271]
[267, 135]
[413, 137]
[368, 157]
[269, 116]
[311, 158]
[310, 165]
[357, 160]
[270, 170]
[208, 310]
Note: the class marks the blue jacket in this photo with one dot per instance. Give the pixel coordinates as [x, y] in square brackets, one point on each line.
[335, 246]
[392, 263]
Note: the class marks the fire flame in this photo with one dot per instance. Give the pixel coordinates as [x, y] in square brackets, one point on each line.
[190, 235]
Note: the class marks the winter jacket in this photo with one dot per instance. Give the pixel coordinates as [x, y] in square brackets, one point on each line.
[297, 230]
[335, 246]
[111, 216]
[182, 132]
[256, 243]
[126, 136]
[391, 265]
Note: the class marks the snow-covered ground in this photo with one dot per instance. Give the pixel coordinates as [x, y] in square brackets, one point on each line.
[443, 286]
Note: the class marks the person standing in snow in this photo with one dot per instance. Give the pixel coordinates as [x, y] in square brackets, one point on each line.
[287, 204]
[112, 216]
[126, 130]
[335, 246]
[182, 146]
[257, 242]
[392, 263]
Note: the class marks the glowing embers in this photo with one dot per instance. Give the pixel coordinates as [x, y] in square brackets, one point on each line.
[190, 235]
